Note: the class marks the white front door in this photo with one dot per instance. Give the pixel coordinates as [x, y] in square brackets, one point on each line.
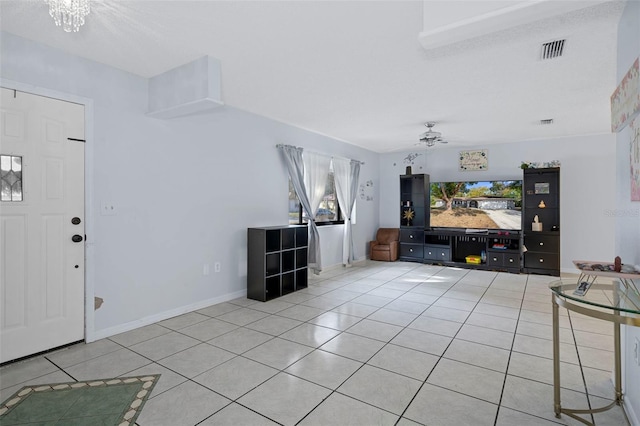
[41, 210]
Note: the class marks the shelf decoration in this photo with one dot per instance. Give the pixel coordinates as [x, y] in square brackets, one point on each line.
[539, 164]
[625, 100]
[541, 188]
[474, 160]
[408, 216]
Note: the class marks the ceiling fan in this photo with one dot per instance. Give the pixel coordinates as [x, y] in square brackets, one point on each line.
[431, 137]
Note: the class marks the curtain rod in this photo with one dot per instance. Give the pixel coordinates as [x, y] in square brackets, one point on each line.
[280, 145]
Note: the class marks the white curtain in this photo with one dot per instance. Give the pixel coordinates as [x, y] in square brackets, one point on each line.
[316, 172]
[308, 175]
[346, 175]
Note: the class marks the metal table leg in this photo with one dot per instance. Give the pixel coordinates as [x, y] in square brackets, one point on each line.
[556, 358]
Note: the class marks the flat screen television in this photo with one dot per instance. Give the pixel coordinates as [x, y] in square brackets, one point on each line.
[491, 205]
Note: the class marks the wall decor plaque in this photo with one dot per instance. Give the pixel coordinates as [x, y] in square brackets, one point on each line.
[473, 160]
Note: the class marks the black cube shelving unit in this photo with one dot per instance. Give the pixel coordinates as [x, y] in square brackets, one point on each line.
[276, 261]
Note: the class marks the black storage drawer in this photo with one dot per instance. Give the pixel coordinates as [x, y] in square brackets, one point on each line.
[541, 260]
[542, 242]
[495, 259]
[506, 259]
[411, 250]
[415, 236]
[512, 259]
[437, 252]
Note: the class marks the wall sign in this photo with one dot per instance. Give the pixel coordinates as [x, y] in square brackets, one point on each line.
[635, 159]
[625, 101]
[474, 160]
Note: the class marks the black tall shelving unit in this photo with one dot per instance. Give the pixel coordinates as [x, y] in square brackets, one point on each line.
[541, 197]
[414, 215]
[276, 261]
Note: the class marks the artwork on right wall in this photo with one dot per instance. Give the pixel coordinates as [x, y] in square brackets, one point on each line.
[634, 157]
[625, 101]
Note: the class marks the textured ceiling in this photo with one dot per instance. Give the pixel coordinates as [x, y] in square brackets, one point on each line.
[356, 71]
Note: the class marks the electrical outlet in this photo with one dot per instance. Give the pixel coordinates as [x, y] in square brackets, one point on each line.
[205, 269]
[216, 266]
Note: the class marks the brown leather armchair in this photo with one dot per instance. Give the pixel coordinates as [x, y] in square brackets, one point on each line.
[386, 245]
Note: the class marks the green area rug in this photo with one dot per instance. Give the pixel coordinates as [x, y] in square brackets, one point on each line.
[109, 402]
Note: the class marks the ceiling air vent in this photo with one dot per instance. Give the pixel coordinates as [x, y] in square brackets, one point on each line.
[546, 121]
[553, 49]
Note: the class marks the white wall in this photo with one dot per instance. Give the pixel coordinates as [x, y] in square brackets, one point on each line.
[185, 190]
[587, 185]
[628, 212]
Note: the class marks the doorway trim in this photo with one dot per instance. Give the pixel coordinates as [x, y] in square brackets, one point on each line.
[89, 279]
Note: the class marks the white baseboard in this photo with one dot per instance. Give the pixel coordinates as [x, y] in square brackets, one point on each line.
[634, 418]
[326, 269]
[121, 328]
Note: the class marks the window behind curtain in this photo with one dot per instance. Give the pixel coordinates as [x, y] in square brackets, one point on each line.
[327, 214]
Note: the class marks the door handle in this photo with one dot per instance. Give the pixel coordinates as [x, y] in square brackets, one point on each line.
[76, 238]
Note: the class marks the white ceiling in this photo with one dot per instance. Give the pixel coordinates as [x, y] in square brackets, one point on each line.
[357, 71]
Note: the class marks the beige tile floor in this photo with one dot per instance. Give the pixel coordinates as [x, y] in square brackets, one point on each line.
[376, 344]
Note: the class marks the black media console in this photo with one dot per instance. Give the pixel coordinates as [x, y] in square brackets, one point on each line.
[494, 250]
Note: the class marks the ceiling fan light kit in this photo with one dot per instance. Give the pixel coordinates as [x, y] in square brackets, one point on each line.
[431, 137]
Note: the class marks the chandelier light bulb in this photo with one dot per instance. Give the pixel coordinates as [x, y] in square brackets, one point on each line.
[68, 13]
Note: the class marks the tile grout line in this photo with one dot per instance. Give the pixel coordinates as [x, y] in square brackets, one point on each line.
[363, 364]
[513, 340]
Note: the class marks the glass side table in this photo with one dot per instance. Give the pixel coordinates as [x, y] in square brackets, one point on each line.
[618, 302]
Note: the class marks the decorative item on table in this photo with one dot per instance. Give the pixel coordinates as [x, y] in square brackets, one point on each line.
[536, 225]
[582, 288]
[473, 259]
[542, 205]
[407, 216]
[617, 264]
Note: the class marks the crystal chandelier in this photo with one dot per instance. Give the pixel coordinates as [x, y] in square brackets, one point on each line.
[68, 13]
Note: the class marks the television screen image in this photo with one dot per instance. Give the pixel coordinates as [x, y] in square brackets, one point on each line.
[495, 204]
